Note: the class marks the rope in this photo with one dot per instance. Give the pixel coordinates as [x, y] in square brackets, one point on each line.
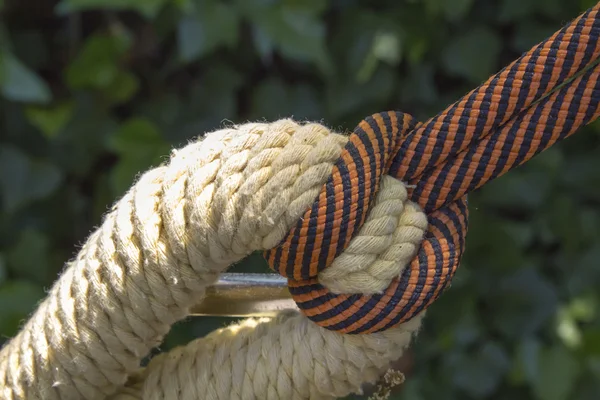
[290, 357]
[363, 252]
[538, 100]
[216, 201]
[287, 357]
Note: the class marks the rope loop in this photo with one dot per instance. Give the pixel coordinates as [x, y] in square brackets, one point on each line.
[536, 101]
[336, 216]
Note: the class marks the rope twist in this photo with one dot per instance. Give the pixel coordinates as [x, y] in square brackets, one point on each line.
[369, 230]
[539, 99]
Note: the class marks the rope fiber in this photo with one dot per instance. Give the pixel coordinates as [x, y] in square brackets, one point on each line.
[369, 230]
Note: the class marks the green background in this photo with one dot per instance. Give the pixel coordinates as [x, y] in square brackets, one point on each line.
[94, 91]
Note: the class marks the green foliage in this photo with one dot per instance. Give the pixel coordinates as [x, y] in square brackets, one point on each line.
[102, 90]
[206, 27]
[148, 8]
[97, 66]
[19, 83]
[18, 298]
[138, 144]
[51, 120]
[473, 55]
[23, 179]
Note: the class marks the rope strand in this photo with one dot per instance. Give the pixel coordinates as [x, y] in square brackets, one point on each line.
[553, 119]
[518, 86]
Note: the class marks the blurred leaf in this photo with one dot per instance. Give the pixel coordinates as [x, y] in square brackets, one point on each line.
[527, 301]
[467, 329]
[212, 25]
[558, 372]
[457, 9]
[419, 85]
[29, 46]
[50, 120]
[82, 143]
[586, 274]
[148, 8]
[98, 66]
[581, 174]
[567, 329]
[3, 272]
[22, 296]
[19, 83]
[527, 360]
[294, 29]
[520, 232]
[591, 342]
[529, 33]
[29, 258]
[387, 47]
[454, 10]
[313, 6]
[554, 8]
[516, 9]
[563, 222]
[520, 190]
[479, 374]
[411, 390]
[498, 251]
[273, 100]
[589, 221]
[342, 98]
[585, 4]
[473, 54]
[124, 86]
[583, 308]
[23, 180]
[207, 103]
[352, 49]
[254, 263]
[140, 146]
[193, 328]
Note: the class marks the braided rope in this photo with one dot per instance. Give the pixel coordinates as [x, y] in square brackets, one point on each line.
[217, 200]
[324, 207]
[289, 357]
[541, 98]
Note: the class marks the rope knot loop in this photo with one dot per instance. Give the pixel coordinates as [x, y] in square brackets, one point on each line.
[346, 258]
[383, 247]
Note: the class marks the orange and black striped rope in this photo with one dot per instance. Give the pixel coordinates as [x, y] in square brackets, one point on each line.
[538, 100]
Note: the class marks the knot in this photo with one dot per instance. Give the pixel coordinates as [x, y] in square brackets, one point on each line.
[383, 247]
[362, 259]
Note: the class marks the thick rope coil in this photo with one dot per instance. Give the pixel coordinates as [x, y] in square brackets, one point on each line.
[237, 191]
[289, 357]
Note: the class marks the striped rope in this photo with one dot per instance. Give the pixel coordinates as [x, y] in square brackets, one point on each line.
[538, 100]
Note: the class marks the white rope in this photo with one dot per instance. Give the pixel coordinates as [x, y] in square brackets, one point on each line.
[217, 200]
